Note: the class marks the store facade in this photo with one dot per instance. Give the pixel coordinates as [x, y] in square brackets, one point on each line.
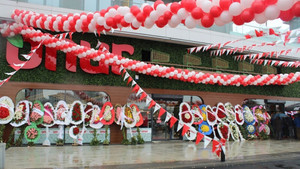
[51, 76]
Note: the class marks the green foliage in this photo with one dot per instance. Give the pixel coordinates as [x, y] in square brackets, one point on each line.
[133, 140]
[63, 76]
[140, 139]
[59, 142]
[2, 127]
[106, 141]
[125, 141]
[243, 131]
[20, 138]
[30, 144]
[10, 141]
[17, 41]
[95, 141]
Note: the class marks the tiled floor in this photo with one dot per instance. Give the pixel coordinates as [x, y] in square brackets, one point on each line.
[88, 156]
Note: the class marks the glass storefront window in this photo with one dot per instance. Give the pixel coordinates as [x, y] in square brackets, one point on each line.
[53, 96]
[160, 129]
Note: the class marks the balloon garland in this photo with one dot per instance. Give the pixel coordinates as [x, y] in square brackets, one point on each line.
[190, 12]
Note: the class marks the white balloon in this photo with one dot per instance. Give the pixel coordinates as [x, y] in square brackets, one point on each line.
[100, 21]
[112, 12]
[199, 3]
[128, 18]
[216, 2]
[219, 22]
[161, 8]
[190, 22]
[272, 12]
[153, 16]
[225, 17]
[206, 5]
[136, 23]
[235, 9]
[174, 21]
[285, 5]
[182, 13]
[148, 23]
[260, 18]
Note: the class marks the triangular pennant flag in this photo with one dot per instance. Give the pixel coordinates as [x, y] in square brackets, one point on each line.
[148, 100]
[129, 80]
[207, 140]
[139, 91]
[168, 116]
[126, 76]
[136, 88]
[199, 137]
[152, 103]
[124, 71]
[156, 107]
[70, 35]
[173, 120]
[216, 148]
[143, 96]
[11, 73]
[27, 57]
[133, 83]
[184, 129]
[223, 142]
[121, 68]
[180, 125]
[161, 112]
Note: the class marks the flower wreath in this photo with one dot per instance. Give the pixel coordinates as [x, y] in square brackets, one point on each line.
[21, 115]
[239, 118]
[95, 120]
[76, 113]
[230, 112]
[37, 113]
[211, 117]
[32, 133]
[107, 114]
[129, 120]
[205, 128]
[191, 134]
[118, 114]
[250, 129]
[223, 130]
[74, 131]
[234, 131]
[203, 111]
[88, 113]
[137, 115]
[248, 116]
[221, 113]
[61, 113]
[185, 114]
[48, 120]
[6, 110]
[197, 115]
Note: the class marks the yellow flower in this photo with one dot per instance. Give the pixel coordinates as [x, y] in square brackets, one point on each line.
[204, 116]
[204, 128]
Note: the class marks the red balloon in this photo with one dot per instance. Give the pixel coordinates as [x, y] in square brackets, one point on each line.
[286, 15]
[118, 18]
[237, 20]
[215, 11]
[140, 17]
[168, 15]
[258, 6]
[270, 2]
[135, 10]
[224, 4]
[247, 15]
[197, 13]
[147, 10]
[90, 17]
[296, 9]
[189, 5]
[175, 7]
[102, 12]
[207, 20]
[109, 21]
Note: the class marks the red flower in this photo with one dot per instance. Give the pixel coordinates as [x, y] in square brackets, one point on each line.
[4, 112]
[221, 113]
[76, 113]
[238, 117]
[186, 117]
[210, 116]
[88, 118]
[224, 131]
[75, 130]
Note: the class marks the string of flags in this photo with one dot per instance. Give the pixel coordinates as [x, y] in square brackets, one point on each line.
[170, 119]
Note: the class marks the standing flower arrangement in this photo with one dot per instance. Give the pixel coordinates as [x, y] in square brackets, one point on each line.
[32, 133]
[239, 118]
[223, 130]
[197, 115]
[107, 114]
[61, 113]
[6, 110]
[137, 115]
[37, 113]
[74, 133]
[48, 115]
[76, 112]
[221, 112]
[210, 116]
[248, 116]
[21, 114]
[185, 114]
[88, 113]
[129, 120]
[230, 112]
[95, 120]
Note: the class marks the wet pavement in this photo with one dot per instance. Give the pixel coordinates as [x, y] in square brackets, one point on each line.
[171, 154]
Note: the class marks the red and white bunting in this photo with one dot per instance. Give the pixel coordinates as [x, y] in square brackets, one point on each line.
[156, 107]
[179, 126]
[168, 117]
[265, 62]
[139, 91]
[207, 140]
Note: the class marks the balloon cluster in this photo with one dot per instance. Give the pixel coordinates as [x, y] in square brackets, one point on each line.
[191, 13]
[156, 70]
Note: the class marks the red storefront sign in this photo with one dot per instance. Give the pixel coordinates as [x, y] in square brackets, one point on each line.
[12, 54]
